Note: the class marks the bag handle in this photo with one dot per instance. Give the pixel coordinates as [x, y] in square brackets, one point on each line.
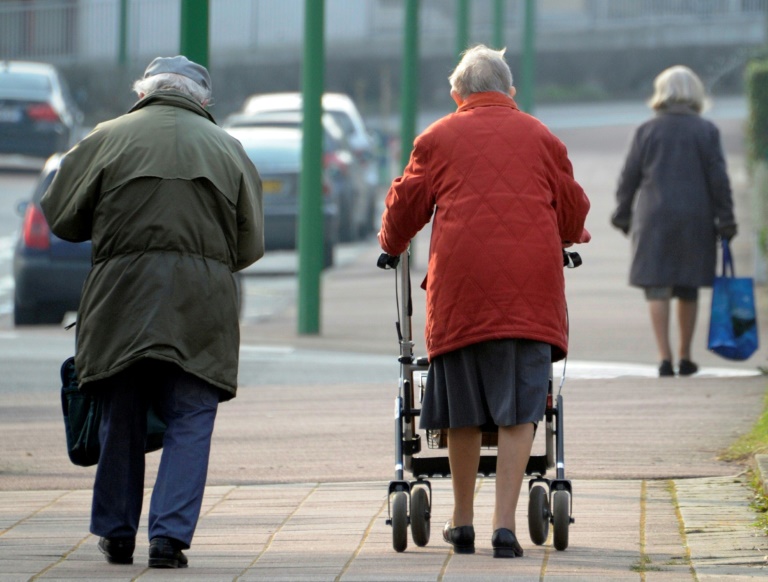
[727, 260]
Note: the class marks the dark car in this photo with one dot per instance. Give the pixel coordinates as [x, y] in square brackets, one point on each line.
[38, 116]
[276, 153]
[49, 272]
[342, 168]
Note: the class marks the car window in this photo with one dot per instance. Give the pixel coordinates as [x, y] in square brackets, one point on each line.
[344, 121]
[42, 186]
[24, 82]
[274, 155]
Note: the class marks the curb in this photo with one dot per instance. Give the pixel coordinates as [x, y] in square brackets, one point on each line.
[761, 462]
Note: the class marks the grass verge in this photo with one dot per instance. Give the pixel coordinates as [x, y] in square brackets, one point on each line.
[744, 449]
[753, 443]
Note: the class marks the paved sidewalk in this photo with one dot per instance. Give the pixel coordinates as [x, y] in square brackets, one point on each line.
[650, 499]
[654, 530]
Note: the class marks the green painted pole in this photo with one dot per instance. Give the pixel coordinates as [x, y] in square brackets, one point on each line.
[498, 24]
[462, 27]
[310, 232]
[527, 87]
[122, 47]
[409, 93]
[194, 31]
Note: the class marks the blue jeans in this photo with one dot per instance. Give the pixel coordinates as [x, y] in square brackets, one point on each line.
[188, 405]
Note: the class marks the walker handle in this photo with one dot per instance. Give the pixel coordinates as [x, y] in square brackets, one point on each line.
[388, 261]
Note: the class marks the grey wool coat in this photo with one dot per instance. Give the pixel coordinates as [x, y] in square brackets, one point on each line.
[173, 206]
[674, 198]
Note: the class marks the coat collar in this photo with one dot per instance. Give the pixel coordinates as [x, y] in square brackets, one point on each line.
[677, 109]
[174, 99]
[487, 99]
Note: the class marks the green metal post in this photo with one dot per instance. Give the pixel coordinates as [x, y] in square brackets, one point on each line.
[122, 47]
[194, 31]
[498, 24]
[310, 232]
[462, 27]
[410, 81]
[526, 89]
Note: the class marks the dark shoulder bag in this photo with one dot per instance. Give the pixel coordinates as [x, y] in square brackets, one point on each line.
[82, 417]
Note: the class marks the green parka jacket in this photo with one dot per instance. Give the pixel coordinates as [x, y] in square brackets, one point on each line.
[173, 207]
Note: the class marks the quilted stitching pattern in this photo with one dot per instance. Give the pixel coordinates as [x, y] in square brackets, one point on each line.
[495, 266]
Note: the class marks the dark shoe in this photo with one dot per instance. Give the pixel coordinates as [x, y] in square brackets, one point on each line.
[505, 544]
[687, 368]
[117, 550]
[166, 553]
[666, 369]
[462, 538]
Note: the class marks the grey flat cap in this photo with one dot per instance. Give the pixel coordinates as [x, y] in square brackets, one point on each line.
[181, 66]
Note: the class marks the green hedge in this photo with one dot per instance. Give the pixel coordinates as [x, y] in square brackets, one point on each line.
[757, 99]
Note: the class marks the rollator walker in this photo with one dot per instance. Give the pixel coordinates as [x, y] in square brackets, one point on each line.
[410, 502]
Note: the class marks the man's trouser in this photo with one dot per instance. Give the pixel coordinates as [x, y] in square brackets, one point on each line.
[188, 405]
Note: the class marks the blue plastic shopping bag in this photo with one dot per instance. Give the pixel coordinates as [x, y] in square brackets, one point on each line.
[733, 322]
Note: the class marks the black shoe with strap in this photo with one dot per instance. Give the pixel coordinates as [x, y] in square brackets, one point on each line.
[166, 553]
[117, 550]
[462, 538]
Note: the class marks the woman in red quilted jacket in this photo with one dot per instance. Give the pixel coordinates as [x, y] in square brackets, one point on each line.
[500, 191]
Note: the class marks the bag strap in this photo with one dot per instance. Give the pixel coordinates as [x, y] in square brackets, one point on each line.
[727, 260]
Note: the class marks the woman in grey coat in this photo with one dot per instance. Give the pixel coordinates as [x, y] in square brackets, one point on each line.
[674, 200]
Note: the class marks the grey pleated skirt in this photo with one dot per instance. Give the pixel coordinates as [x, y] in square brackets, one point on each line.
[492, 383]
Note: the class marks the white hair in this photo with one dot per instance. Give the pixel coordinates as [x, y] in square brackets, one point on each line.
[172, 82]
[678, 84]
[481, 69]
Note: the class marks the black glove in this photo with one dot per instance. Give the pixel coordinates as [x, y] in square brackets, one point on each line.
[727, 232]
[622, 225]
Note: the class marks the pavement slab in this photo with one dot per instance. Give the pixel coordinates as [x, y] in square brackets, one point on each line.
[653, 530]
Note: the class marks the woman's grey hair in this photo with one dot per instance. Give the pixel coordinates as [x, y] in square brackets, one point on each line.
[678, 85]
[172, 82]
[481, 69]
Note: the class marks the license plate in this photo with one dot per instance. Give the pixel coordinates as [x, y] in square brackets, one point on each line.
[8, 115]
[272, 186]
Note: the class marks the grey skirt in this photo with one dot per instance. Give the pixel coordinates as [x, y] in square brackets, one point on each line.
[493, 383]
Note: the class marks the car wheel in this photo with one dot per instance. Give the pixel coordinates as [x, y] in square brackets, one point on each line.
[23, 315]
[328, 250]
[370, 216]
[39, 315]
[347, 230]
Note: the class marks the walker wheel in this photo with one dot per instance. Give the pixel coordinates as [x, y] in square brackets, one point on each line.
[420, 516]
[561, 507]
[538, 514]
[400, 521]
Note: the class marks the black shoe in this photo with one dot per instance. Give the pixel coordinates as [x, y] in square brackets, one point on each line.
[505, 544]
[462, 538]
[666, 369]
[166, 553]
[117, 550]
[687, 367]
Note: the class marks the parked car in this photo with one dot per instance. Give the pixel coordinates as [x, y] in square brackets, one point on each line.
[343, 109]
[38, 116]
[49, 272]
[342, 167]
[276, 153]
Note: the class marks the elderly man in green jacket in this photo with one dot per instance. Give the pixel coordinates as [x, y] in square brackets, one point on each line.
[174, 207]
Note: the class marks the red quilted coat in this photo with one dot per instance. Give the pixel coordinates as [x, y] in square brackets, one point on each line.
[504, 200]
